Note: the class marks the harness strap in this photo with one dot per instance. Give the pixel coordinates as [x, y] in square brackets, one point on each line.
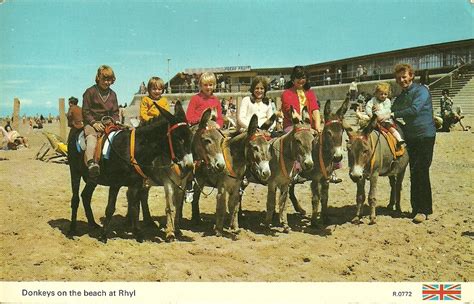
[321, 160]
[226, 150]
[282, 160]
[132, 155]
[170, 143]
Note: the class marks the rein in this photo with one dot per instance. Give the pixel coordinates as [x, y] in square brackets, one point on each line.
[174, 165]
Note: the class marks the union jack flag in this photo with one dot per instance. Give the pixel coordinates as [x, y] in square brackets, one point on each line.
[441, 292]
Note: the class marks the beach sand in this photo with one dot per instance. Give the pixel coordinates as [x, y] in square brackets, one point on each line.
[35, 216]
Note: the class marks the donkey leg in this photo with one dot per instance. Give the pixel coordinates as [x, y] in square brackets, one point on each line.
[75, 184]
[220, 210]
[86, 196]
[109, 211]
[315, 201]
[324, 202]
[294, 200]
[234, 204]
[393, 194]
[196, 216]
[282, 208]
[133, 198]
[143, 201]
[170, 211]
[372, 198]
[271, 201]
[241, 195]
[398, 191]
[360, 199]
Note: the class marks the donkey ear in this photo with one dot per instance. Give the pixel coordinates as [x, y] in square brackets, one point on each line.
[294, 119]
[253, 124]
[205, 117]
[267, 124]
[169, 117]
[305, 115]
[214, 114]
[179, 111]
[327, 109]
[343, 109]
[370, 126]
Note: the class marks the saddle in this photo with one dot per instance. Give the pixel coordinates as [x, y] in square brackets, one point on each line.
[392, 143]
[104, 141]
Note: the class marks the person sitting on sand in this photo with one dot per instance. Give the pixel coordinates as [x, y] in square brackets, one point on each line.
[13, 138]
[448, 114]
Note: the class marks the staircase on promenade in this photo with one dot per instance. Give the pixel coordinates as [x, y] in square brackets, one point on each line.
[460, 89]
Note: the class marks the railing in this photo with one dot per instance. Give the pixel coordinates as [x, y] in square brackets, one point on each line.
[450, 75]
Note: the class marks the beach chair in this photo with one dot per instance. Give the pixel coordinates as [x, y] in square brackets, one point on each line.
[55, 150]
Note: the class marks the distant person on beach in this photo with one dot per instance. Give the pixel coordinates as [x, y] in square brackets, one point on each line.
[99, 108]
[12, 138]
[257, 103]
[74, 117]
[155, 90]
[204, 100]
[448, 114]
[353, 90]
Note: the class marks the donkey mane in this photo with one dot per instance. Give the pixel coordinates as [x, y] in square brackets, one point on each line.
[151, 125]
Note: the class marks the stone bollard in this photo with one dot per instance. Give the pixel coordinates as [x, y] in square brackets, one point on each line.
[62, 120]
[16, 114]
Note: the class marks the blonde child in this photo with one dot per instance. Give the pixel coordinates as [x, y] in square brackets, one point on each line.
[204, 100]
[147, 108]
[99, 101]
[380, 105]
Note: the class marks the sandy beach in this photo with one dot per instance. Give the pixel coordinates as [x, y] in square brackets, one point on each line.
[35, 208]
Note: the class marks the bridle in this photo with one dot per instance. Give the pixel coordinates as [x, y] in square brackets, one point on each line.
[282, 160]
[321, 160]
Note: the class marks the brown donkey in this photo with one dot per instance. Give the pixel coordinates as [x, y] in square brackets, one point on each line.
[295, 146]
[327, 149]
[370, 156]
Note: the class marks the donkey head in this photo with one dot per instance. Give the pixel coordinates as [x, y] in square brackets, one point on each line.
[359, 151]
[302, 139]
[207, 143]
[257, 149]
[333, 129]
[179, 136]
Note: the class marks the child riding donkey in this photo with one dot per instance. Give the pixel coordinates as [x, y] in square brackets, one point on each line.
[99, 109]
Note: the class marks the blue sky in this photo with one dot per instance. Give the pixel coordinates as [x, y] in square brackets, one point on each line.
[51, 49]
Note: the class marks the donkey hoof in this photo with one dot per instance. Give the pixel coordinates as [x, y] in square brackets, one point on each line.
[170, 237]
[236, 230]
[356, 221]
[286, 229]
[196, 220]
[372, 221]
[94, 226]
[103, 239]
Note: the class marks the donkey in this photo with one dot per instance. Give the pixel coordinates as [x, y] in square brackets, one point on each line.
[205, 145]
[370, 156]
[285, 151]
[327, 149]
[120, 168]
[248, 150]
[208, 156]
